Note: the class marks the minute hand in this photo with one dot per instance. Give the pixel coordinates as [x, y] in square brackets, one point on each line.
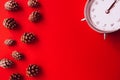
[108, 10]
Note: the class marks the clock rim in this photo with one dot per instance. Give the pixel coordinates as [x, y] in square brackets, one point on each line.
[88, 19]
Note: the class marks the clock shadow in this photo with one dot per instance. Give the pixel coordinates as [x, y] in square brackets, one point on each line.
[114, 40]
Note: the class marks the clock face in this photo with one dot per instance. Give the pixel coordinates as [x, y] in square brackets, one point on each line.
[103, 15]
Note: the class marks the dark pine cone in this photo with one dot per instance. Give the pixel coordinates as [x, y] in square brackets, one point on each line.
[11, 5]
[17, 55]
[28, 37]
[6, 63]
[16, 76]
[33, 3]
[9, 42]
[35, 16]
[10, 23]
[33, 70]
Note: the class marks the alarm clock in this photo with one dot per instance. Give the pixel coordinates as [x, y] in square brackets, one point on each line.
[103, 16]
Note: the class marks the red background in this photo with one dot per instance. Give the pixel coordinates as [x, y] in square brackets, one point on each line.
[67, 48]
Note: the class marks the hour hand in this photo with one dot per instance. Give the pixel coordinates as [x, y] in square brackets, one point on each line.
[108, 10]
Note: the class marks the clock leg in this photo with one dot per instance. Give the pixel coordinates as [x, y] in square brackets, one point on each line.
[83, 19]
[104, 36]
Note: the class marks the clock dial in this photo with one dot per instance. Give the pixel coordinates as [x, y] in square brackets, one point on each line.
[104, 15]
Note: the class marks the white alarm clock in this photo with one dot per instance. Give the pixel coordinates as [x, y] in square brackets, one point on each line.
[103, 16]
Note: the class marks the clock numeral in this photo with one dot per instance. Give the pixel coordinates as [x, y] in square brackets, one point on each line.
[94, 16]
[97, 22]
[93, 10]
[118, 20]
[105, 25]
[112, 25]
[96, 3]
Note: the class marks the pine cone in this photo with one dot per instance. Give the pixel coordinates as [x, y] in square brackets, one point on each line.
[9, 42]
[10, 23]
[35, 16]
[33, 70]
[6, 63]
[11, 5]
[28, 37]
[17, 55]
[33, 3]
[16, 76]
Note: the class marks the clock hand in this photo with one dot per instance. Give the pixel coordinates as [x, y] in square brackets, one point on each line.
[108, 10]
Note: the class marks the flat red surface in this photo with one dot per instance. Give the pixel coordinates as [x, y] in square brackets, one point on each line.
[67, 48]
